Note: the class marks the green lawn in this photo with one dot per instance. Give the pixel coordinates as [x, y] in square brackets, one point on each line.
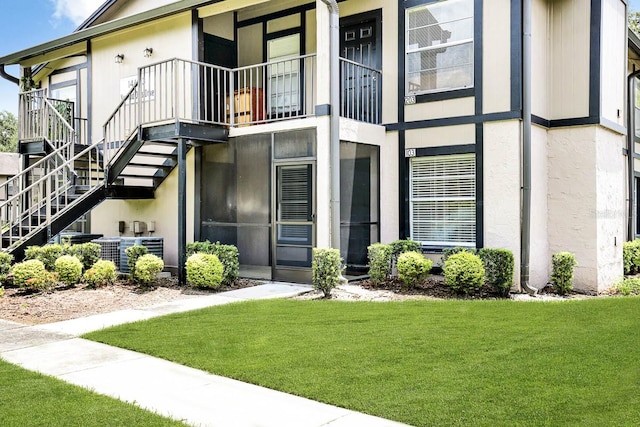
[423, 363]
[31, 399]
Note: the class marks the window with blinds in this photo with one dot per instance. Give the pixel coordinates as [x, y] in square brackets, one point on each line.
[443, 200]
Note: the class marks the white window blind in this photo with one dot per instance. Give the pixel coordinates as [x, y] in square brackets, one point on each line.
[443, 200]
[439, 46]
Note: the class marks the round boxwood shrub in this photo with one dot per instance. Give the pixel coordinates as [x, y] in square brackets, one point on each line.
[413, 268]
[102, 273]
[133, 253]
[69, 269]
[147, 268]
[463, 272]
[31, 274]
[204, 270]
[87, 253]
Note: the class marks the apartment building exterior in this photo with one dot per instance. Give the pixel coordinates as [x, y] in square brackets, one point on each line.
[471, 123]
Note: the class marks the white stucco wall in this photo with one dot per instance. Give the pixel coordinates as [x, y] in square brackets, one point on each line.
[586, 202]
[611, 205]
[502, 188]
[539, 246]
[496, 61]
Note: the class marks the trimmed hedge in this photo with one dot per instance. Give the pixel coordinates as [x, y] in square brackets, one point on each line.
[499, 266]
[102, 273]
[464, 272]
[31, 274]
[148, 267]
[204, 270]
[133, 253]
[327, 266]
[379, 256]
[413, 268]
[631, 256]
[562, 265]
[69, 269]
[227, 254]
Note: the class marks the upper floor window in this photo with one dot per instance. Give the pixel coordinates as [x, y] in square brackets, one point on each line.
[439, 48]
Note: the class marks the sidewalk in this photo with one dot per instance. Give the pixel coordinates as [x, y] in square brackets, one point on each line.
[192, 396]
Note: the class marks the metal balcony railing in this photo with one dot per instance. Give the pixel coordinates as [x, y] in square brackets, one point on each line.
[360, 92]
[202, 93]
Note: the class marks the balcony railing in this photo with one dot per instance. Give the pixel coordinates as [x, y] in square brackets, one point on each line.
[195, 92]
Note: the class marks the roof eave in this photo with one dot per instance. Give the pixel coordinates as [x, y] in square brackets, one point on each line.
[102, 29]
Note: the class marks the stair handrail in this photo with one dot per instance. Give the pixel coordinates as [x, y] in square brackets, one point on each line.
[49, 119]
[109, 150]
[18, 180]
[47, 202]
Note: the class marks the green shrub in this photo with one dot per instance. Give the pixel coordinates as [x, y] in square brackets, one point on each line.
[379, 262]
[631, 256]
[498, 266]
[204, 270]
[1, 291]
[133, 253]
[447, 252]
[147, 269]
[69, 269]
[413, 268]
[227, 254]
[5, 266]
[31, 274]
[562, 264]
[327, 266]
[102, 273]
[87, 253]
[628, 287]
[398, 247]
[463, 272]
[48, 254]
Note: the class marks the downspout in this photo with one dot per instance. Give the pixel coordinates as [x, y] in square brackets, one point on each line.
[334, 101]
[7, 76]
[631, 133]
[525, 236]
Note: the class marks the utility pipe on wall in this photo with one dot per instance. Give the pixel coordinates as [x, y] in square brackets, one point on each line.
[334, 101]
[525, 219]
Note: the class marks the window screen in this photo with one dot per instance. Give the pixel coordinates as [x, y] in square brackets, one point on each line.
[439, 46]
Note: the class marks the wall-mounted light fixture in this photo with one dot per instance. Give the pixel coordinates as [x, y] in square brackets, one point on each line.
[148, 51]
[119, 58]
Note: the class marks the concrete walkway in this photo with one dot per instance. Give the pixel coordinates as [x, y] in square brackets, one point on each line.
[192, 396]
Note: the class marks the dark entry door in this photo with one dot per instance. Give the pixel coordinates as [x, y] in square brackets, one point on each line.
[222, 52]
[359, 42]
[294, 229]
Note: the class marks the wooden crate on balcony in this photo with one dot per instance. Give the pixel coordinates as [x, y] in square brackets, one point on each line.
[248, 106]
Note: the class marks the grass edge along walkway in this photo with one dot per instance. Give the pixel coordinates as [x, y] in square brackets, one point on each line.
[421, 362]
[31, 399]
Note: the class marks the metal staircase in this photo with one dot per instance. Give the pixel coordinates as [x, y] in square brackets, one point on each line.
[69, 178]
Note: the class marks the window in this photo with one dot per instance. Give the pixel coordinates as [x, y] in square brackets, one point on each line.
[284, 75]
[439, 46]
[443, 200]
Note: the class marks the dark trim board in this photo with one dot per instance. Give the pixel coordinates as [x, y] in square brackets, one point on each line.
[444, 95]
[594, 58]
[447, 149]
[477, 55]
[516, 55]
[479, 185]
[452, 121]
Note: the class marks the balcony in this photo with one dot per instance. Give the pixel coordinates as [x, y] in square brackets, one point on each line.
[197, 93]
